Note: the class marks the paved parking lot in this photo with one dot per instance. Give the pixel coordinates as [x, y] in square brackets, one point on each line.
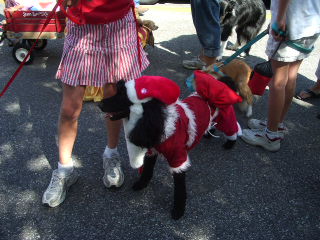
[242, 194]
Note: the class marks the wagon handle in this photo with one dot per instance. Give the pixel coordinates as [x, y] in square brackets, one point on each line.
[59, 3]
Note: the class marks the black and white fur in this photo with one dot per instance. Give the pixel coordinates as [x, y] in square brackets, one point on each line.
[145, 133]
[246, 16]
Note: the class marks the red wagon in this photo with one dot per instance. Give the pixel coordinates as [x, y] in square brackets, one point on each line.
[22, 28]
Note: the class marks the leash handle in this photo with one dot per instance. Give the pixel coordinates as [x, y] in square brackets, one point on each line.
[245, 47]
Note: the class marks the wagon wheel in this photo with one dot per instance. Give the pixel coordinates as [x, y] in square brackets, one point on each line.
[41, 44]
[20, 51]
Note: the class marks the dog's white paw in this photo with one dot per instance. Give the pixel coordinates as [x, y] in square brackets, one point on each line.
[219, 58]
[249, 111]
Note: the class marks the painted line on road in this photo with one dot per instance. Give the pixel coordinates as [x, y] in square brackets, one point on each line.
[159, 7]
[180, 9]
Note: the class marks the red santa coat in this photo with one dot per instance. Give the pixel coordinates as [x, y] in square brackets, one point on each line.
[213, 102]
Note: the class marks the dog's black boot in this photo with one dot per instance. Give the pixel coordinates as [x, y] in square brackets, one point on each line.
[147, 173]
[180, 195]
[229, 144]
[177, 213]
[210, 133]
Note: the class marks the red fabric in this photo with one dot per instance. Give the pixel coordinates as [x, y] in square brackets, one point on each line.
[161, 88]
[258, 83]
[100, 11]
[214, 91]
[227, 121]
[174, 149]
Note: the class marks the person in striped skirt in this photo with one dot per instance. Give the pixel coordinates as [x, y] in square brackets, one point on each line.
[101, 48]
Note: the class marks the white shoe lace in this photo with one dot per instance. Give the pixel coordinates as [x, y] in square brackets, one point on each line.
[54, 184]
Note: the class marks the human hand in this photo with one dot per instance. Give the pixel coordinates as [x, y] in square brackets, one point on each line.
[279, 30]
[69, 3]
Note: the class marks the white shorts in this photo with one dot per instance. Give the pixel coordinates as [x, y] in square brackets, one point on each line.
[286, 53]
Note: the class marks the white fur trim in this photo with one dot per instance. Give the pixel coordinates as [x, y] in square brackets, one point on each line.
[232, 137]
[192, 126]
[235, 135]
[216, 112]
[132, 93]
[182, 168]
[239, 133]
[137, 109]
[136, 154]
[170, 122]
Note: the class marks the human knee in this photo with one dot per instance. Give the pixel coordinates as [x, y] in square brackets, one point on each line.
[278, 86]
[69, 113]
[110, 90]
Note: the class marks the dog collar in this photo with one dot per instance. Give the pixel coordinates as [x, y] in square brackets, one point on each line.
[217, 70]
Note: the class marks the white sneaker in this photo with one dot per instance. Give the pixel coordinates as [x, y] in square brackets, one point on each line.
[113, 175]
[55, 194]
[262, 124]
[259, 137]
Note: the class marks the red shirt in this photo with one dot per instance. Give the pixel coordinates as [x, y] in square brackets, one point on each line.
[100, 11]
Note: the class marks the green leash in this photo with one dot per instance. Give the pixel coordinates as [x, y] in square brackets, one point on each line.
[298, 47]
[245, 47]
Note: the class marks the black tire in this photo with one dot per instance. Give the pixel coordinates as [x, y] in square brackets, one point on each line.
[42, 43]
[20, 51]
[148, 2]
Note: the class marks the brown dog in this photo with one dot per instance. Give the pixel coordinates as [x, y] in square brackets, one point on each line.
[240, 72]
[145, 32]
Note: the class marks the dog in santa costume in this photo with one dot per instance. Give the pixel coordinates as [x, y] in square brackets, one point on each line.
[157, 123]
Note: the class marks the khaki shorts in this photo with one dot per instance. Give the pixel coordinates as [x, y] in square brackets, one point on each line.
[286, 53]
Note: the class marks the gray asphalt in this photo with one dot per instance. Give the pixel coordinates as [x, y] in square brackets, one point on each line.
[245, 193]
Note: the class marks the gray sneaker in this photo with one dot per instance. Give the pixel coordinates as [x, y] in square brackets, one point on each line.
[113, 175]
[194, 64]
[262, 124]
[259, 137]
[56, 192]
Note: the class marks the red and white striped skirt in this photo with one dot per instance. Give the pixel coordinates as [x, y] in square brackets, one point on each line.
[94, 55]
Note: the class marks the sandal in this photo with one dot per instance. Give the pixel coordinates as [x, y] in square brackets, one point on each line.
[311, 93]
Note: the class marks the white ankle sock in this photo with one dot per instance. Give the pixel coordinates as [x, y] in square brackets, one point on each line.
[109, 152]
[65, 169]
[281, 125]
[272, 134]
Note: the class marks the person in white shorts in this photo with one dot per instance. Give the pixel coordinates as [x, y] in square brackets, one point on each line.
[295, 27]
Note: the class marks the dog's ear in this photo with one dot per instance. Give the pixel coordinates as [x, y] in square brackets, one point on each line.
[118, 102]
[151, 39]
[229, 82]
[150, 127]
[223, 8]
[226, 8]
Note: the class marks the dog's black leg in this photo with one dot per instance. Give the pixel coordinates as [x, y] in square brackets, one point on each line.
[147, 172]
[180, 195]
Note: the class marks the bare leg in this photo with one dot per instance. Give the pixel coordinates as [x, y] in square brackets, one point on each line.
[113, 175]
[276, 99]
[208, 60]
[71, 107]
[290, 87]
[113, 127]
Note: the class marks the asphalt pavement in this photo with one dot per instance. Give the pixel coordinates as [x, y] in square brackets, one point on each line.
[245, 193]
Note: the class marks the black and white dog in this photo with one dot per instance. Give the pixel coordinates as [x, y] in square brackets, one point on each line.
[157, 123]
[246, 16]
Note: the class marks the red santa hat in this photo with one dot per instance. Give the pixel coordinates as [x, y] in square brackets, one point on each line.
[214, 91]
[144, 88]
